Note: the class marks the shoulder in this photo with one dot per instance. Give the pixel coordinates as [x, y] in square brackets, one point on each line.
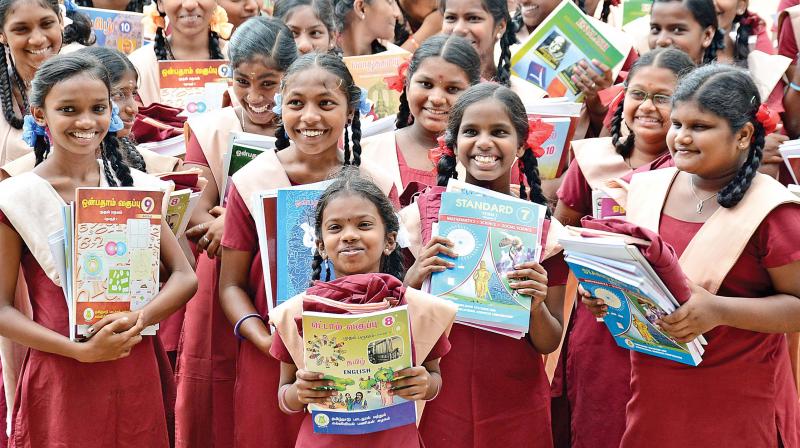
[143, 56]
[378, 142]
[216, 119]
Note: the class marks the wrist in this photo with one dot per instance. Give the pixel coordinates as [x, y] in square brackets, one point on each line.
[288, 401]
[75, 350]
[434, 386]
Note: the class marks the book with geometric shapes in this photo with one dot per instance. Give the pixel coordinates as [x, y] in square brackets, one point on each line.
[120, 30]
[360, 353]
[491, 235]
[115, 244]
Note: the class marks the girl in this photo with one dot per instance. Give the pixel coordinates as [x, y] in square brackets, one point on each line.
[118, 5]
[734, 15]
[440, 70]
[715, 203]
[354, 212]
[365, 26]
[318, 101]
[70, 98]
[488, 130]
[311, 22]
[688, 25]
[260, 52]
[239, 10]
[194, 34]
[421, 19]
[530, 14]
[123, 79]
[31, 34]
[644, 111]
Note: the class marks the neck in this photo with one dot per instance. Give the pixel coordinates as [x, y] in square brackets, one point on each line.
[254, 128]
[645, 152]
[79, 167]
[422, 136]
[500, 185]
[712, 184]
[189, 47]
[321, 163]
[488, 69]
[356, 42]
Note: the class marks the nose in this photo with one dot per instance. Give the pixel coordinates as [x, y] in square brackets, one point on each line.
[189, 5]
[304, 44]
[483, 141]
[254, 97]
[349, 233]
[309, 114]
[436, 97]
[37, 37]
[663, 39]
[251, 6]
[460, 28]
[130, 107]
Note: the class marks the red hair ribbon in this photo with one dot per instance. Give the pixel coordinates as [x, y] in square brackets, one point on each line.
[398, 81]
[611, 97]
[769, 119]
[538, 133]
[615, 2]
[756, 23]
[435, 154]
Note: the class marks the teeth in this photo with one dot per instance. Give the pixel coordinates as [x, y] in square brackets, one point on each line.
[485, 159]
[86, 135]
[437, 112]
[260, 110]
[42, 51]
[311, 133]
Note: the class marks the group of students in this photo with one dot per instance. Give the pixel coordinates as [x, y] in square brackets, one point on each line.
[690, 137]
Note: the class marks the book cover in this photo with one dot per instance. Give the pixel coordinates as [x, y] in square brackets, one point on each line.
[790, 151]
[491, 236]
[120, 30]
[296, 238]
[236, 158]
[553, 162]
[370, 73]
[116, 253]
[632, 315]
[633, 9]
[604, 206]
[360, 353]
[266, 227]
[195, 87]
[550, 54]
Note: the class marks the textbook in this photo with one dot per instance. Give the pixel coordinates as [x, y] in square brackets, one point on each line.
[188, 187]
[120, 30]
[195, 86]
[241, 150]
[265, 212]
[370, 73]
[173, 146]
[612, 268]
[604, 206]
[360, 353]
[559, 118]
[790, 151]
[491, 234]
[633, 9]
[566, 37]
[112, 244]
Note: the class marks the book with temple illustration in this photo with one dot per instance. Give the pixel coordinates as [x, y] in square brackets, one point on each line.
[120, 30]
[361, 354]
[370, 73]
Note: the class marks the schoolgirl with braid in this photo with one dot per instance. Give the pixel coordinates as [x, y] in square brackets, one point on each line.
[31, 34]
[728, 225]
[73, 121]
[486, 133]
[359, 262]
[441, 69]
[734, 15]
[366, 26]
[318, 104]
[311, 23]
[688, 25]
[638, 138]
[196, 29]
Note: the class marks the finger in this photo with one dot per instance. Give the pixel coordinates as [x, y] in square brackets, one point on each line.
[124, 354]
[440, 248]
[309, 376]
[438, 239]
[603, 68]
[527, 274]
[677, 315]
[196, 231]
[216, 211]
[409, 371]
[213, 248]
[438, 261]
[117, 326]
[99, 325]
[136, 329]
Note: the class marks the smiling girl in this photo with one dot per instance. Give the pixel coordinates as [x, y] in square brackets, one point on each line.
[261, 50]
[311, 23]
[487, 131]
[70, 97]
[194, 34]
[366, 26]
[318, 101]
[356, 230]
[688, 25]
[440, 70]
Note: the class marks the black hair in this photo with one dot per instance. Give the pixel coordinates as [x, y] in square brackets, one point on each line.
[730, 94]
[498, 9]
[132, 6]
[349, 181]
[741, 44]
[335, 66]
[80, 30]
[340, 10]
[519, 120]
[118, 65]
[671, 59]
[453, 49]
[705, 13]
[61, 68]
[161, 46]
[604, 13]
[323, 9]
[263, 37]
[9, 77]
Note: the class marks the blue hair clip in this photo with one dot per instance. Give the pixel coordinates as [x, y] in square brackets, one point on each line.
[278, 107]
[364, 104]
[70, 6]
[116, 122]
[31, 130]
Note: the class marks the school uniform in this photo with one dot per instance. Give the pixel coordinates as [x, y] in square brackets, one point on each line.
[146, 63]
[742, 394]
[60, 401]
[496, 391]
[383, 149]
[259, 421]
[12, 146]
[155, 163]
[206, 366]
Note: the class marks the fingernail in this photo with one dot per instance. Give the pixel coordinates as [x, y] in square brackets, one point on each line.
[91, 330]
[452, 265]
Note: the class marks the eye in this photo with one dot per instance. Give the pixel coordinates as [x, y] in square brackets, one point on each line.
[268, 84]
[242, 82]
[333, 228]
[637, 95]
[475, 19]
[500, 133]
[677, 30]
[449, 18]
[365, 224]
[453, 90]
[66, 109]
[469, 132]
[327, 103]
[316, 34]
[294, 103]
[426, 84]
[48, 23]
[699, 127]
[100, 108]
[655, 29]
[676, 125]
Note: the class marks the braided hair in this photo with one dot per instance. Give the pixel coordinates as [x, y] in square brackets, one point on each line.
[604, 13]
[705, 14]
[746, 29]
[160, 44]
[61, 68]
[341, 8]
[731, 94]
[80, 30]
[453, 49]
[671, 59]
[335, 66]
[519, 120]
[349, 182]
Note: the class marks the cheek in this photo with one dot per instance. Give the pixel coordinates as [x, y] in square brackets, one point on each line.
[416, 99]
[628, 112]
[447, 27]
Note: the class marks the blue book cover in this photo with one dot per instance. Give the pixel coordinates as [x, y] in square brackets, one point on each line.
[120, 30]
[296, 238]
[491, 236]
[551, 163]
[631, 316]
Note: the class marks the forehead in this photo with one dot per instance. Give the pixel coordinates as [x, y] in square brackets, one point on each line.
[488, 112]
[465, 6]
[653, 76]
[258, 65]
[302, 16]
[314, 81]
[349, 205]
[671, 12]
[692, 110]
[77, 88]
[436, 67]
[23, 10]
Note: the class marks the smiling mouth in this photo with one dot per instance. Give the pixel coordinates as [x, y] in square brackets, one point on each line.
[311, 133]
[484, 159]
[84, 135]
[437, 113]
[351, 251]
[190, 17]
[649, 120]
[41, 51]
[261, 109]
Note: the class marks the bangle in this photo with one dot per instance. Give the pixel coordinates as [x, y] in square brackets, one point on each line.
[438, 389]
[241, 320]
[282, 400]
[794, 87]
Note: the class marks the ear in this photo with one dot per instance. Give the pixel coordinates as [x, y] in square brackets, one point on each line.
[321, 248]
[521, 151]
[741, 7]
[2, 39]
[500, 29]
[38, 115]
[391, 243]
[708, 36]
[358, 8]
[744, 136]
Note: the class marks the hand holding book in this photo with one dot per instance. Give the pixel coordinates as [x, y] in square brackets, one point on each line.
[695, 317]
[530, 279]
[312, 387]
[429, 261]
[415, 383]
[112, 341]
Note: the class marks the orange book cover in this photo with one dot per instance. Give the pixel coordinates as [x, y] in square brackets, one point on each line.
[370, 73]
[195, 86]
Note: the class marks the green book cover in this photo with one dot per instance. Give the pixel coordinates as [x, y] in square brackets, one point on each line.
[633, 9]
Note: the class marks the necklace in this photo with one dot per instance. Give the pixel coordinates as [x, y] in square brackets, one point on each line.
[700, 202]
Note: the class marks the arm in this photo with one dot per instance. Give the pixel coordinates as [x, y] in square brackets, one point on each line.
[567, 215]
[208, 219]
[430, 26]
[235, 301]
[791, 105]
[547, 304]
